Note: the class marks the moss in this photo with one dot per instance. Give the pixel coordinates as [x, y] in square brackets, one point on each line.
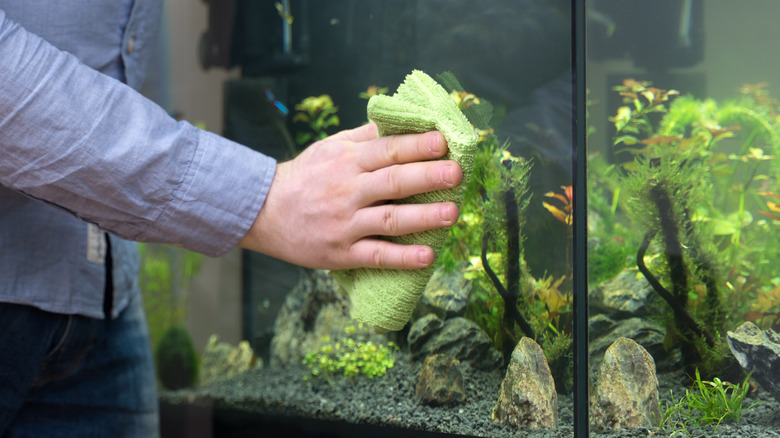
[177, 361]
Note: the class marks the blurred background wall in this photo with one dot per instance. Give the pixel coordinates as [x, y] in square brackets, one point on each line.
[178, 83]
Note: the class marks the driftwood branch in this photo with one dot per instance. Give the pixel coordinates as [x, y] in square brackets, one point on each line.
[510, 301]
[680, 313]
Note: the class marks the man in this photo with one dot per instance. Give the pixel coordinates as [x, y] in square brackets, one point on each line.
[82, 153]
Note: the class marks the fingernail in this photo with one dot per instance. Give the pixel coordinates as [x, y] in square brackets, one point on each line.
[445, 213]
[425, 257]
[435, 143]
[446, 174]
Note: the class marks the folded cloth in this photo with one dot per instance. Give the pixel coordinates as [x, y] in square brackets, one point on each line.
[385, 298]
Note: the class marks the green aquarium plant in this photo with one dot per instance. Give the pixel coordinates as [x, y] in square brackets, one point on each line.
[706, 403]
[697, 170]
[489, 235]
[164, 280]
[371, 91]
[611, 244]
[318, 113]
[506, 301]
[351, 358]
[176, 359]
[666, 181]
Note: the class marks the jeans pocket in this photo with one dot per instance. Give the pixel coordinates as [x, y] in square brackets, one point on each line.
[68, 349]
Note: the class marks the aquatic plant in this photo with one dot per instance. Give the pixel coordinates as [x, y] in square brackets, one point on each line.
[765, 309]
[373, 90]
[351, 358]
[692, 201]
[164, 280]
[464, 99]
[319, 113]
[503, 203]
[706, 403]
[176, 359]
[611, 247]
[666, 183]
[506, 301]
[772, 207]
[490, 231]
[564, 214]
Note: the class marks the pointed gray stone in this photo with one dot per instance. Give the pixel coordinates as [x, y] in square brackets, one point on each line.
[527, 399]
[626, 392]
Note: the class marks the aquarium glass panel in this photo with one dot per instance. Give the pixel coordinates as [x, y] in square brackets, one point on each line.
[499, 299]
[683, 217]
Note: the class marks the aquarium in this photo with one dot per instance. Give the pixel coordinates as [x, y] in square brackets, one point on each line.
[614, 271]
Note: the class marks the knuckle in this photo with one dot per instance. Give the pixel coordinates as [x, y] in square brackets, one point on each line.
[393, 148]
[393, 183]
[390, 221]
[377, 257]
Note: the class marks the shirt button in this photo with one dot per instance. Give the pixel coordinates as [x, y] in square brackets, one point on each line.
[131, 44]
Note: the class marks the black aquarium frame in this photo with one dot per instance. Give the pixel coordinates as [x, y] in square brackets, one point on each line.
[580, 238]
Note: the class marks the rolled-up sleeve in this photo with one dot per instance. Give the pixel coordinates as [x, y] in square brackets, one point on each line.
[91, 145]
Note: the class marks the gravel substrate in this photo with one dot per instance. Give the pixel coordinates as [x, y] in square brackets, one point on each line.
[389, 401]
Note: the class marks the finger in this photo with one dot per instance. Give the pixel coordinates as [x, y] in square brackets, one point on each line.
[382, 254]
[398, 220]
[398, 182]
[399, 149]
[363, 133]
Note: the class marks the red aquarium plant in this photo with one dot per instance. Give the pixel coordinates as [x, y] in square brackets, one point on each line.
[773, 207]
[565, 215]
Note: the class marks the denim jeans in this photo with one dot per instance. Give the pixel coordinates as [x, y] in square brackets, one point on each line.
[74, 376]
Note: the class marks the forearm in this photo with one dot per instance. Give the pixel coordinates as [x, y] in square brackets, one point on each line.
[93, 146]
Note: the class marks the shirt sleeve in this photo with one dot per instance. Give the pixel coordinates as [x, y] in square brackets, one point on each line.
[89, 144]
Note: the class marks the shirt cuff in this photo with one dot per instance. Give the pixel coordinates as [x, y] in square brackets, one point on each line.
[221, 195]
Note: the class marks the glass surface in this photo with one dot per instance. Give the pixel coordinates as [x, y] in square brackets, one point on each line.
[683, 222]
[316, 369]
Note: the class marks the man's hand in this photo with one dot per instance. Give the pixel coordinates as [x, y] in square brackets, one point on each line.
[325, 207]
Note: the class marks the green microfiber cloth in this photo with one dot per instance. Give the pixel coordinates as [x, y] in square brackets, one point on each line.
[385, 298]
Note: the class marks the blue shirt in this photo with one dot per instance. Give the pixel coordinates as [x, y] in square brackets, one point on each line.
[82, 152]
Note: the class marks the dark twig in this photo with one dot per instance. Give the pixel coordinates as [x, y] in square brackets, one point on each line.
[510, 302]
[680, 313]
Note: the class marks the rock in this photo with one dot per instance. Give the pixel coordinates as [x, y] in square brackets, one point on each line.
[457, 337]
[758, 351]
[221, 360]
[603, 331]
[621, 307]
[446, 295]
[626, 293]
[527, 398]
[440, 381]
[422, 330]
[626, 392]
[315, 312]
